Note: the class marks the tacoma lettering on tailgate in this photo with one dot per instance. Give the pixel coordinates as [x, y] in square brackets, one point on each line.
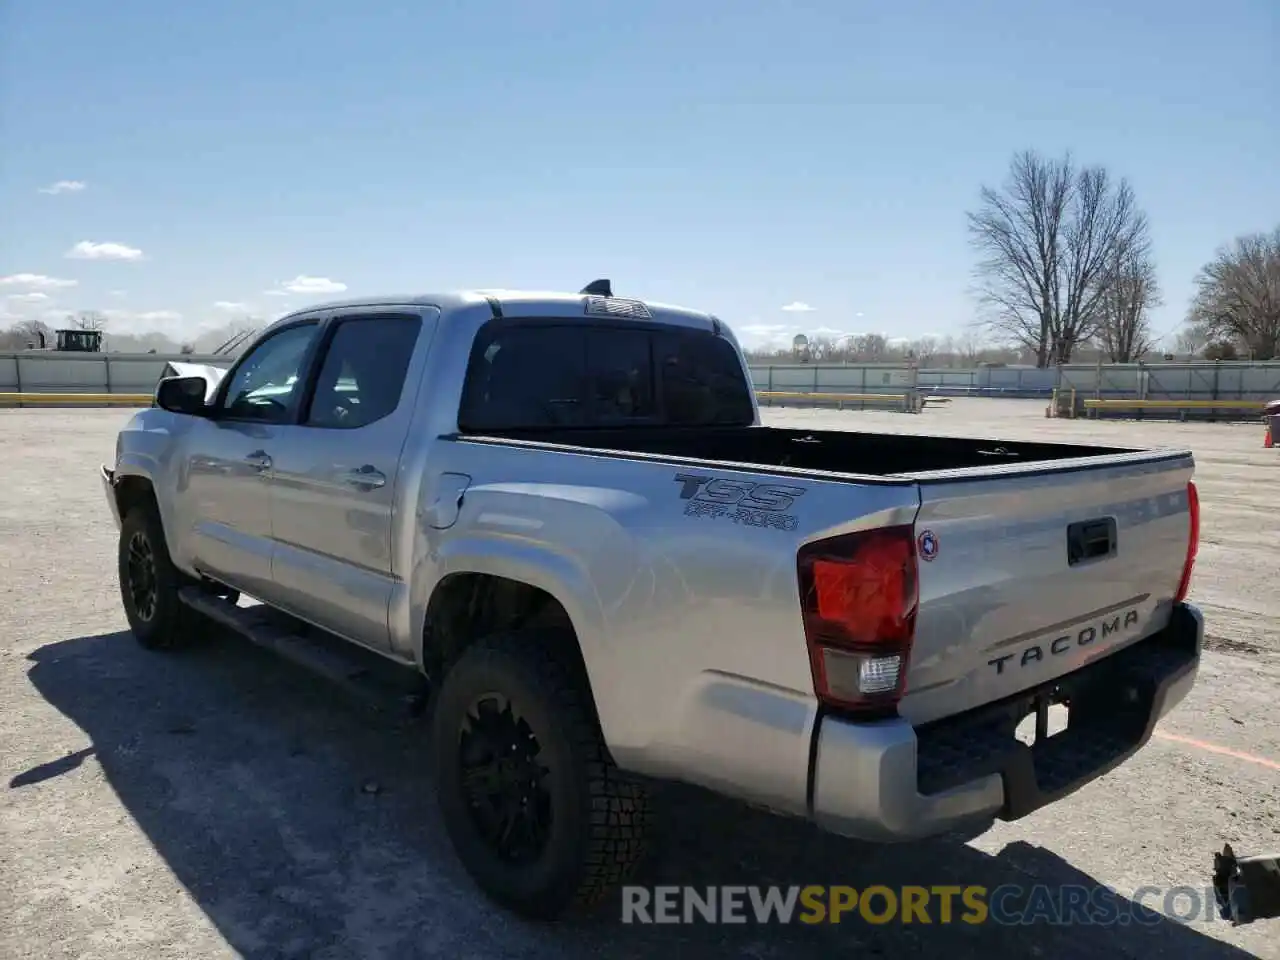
[1037, 652]
[750, 504]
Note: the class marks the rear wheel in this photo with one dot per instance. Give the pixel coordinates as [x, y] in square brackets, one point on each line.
[536, 810]
[149, 584]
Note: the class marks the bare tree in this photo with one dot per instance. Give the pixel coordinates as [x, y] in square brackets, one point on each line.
[25, 334]
[1238, 294]
[870, 347]
[970, 346]
[87, 320]
[925, 350]
[1047, 240]
[1130, 291]
[1192, 340]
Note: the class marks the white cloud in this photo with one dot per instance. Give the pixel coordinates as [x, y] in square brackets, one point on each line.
[33, 297]
[231, 306]
[305, 284]
[755, 336]
[35, 281]
[766, 329]
[141, 322]
[275, 293]
[89, 250]
[117, 293]
[798, 306]
[64, 186]
[159, 316]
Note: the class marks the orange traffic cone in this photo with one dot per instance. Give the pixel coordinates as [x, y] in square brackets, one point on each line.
[1267, 440]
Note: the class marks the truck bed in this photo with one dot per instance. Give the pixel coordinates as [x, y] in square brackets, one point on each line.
[828, 451]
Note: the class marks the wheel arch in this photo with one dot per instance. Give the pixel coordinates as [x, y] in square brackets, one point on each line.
[483, 588]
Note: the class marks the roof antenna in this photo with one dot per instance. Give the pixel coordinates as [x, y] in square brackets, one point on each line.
[598, 288]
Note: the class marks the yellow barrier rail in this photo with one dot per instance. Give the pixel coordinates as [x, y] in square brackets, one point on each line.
[1182, 406]
[898, 398]
[93, 399]
[1174, 404]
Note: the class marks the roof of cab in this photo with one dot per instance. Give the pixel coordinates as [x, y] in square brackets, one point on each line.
[513, 303]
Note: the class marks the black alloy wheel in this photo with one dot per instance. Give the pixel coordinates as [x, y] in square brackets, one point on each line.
[504, 779]
[149, 584]
[142, 585]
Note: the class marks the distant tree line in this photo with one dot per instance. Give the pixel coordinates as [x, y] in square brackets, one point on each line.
[968, 350]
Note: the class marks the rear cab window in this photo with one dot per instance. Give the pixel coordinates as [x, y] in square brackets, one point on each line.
[531, 374]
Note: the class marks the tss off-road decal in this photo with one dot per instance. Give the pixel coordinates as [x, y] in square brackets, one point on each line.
[751, 504]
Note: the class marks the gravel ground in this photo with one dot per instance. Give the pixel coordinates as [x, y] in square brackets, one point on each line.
[214, 804]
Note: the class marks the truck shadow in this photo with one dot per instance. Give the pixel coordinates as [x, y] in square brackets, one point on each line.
[305, 826]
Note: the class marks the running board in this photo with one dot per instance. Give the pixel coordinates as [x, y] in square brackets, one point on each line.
[363, 674]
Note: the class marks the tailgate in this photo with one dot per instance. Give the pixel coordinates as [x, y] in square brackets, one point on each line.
[1029, 575]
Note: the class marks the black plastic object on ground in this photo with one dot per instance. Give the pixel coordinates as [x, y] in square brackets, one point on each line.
[1246, 888]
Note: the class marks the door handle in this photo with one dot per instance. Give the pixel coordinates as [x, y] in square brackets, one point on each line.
[259, 461]
[367, 477]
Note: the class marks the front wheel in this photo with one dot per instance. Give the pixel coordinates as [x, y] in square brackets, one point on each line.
[535, 808]
[149, 583]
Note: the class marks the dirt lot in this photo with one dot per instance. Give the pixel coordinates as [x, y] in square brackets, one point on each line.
[212, 804]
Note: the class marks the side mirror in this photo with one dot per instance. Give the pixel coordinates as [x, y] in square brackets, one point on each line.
[182, 395]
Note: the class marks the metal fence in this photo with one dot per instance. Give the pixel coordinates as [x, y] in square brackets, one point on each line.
[41, 372]
[989, 381]
[1174, 381]
[1141, 381]
[857, 386]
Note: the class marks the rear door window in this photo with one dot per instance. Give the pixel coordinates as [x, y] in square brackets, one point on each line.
[364, 370]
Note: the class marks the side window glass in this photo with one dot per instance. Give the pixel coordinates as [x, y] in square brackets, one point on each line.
[266, 386]
[526, 376]
[621, 370]
[363, 373]
[701, 380]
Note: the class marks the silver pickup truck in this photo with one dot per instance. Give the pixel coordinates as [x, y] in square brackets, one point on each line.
[563, 512]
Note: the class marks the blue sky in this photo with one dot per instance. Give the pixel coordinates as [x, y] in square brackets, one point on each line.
[738, 157]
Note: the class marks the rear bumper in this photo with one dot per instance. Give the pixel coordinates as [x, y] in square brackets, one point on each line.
[108, 479]
[888, 781]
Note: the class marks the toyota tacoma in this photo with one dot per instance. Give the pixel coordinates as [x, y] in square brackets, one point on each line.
[563, 514]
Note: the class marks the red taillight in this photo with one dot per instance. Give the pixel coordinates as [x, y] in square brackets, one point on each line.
[1193, 542]
[858, 595]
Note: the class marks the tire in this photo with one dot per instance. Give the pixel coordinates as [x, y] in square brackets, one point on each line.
[149, 584]
[598, 817]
